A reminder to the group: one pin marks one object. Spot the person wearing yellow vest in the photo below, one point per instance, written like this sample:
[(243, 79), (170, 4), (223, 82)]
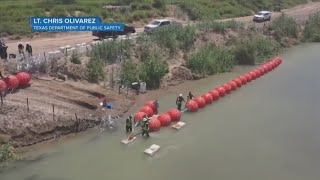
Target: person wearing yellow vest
[(145, 127), (129, 124)]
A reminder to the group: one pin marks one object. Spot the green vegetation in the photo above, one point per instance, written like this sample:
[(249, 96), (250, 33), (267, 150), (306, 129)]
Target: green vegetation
[(7, 153), (75, 58), (152, 70), (284, 27), (174, 37), (312, 29), (106, 53), (14, 14), (220, 27), (253, 48), (210, 60)]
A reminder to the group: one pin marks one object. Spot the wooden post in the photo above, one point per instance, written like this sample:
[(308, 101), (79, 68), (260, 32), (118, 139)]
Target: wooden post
[(53, 111), (28, 104), (1, 96), (45, 57)]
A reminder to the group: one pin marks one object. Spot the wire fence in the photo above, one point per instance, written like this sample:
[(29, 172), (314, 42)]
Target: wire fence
[(36, 61)]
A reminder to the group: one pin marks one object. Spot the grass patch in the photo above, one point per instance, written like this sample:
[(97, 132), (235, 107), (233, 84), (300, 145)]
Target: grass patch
[(7, 153), (174, 37), (311, 31), (210, 60), (283, 27), (220, 27), (254, 48)]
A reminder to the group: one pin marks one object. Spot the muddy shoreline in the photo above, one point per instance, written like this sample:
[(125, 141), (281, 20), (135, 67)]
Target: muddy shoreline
[(69, 128)]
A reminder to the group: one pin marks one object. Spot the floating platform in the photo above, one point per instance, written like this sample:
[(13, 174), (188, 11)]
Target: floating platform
[(127, 141), (179, 125), (152, 149)]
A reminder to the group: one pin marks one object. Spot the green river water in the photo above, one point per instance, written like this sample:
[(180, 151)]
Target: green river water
[(266, 130)]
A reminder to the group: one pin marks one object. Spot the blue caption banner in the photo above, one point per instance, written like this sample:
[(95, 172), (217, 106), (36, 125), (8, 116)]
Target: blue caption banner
[(64, 24)]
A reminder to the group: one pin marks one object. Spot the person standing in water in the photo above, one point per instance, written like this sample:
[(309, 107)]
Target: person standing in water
[(145, 127), (129, 124), (190, 96), (156, 105), (179, 101)]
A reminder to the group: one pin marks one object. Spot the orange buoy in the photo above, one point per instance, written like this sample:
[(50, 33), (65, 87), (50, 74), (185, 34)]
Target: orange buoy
[(11, 81), (24, 78), (243, 80), (154, 124), (215, 94), (221, 90), (233, 85), (150, 104), (192, 106), (227, 87), (174, 114), (238, 81), (258, 73), (138, 116), (261, 69), (208, 98), (147, 110), (248, 77), (265, 68), (164, 119), (200, 101), (253, 75), (3, 86)]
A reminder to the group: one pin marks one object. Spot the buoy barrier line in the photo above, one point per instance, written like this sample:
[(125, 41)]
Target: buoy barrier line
[(12, 82), (165, 118)]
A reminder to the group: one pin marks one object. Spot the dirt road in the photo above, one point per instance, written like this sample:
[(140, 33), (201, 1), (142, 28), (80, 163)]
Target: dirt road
[(40, 45)]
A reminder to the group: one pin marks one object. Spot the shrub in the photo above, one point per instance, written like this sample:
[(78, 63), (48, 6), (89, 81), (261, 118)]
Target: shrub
[(211, 59), (152, 70), (75, 58), (7, 153), (285, 26), (254, 47), (311, 31), (191, 8), (111, 51), (159, 4), (95, 68), (129, 73), (174, 37)]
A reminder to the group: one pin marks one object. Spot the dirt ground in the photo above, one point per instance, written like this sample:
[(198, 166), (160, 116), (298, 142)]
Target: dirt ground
[(23, 127), (70, 99)]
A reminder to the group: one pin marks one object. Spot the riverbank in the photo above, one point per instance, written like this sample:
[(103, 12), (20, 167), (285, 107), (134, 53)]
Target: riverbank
[(76, 102)]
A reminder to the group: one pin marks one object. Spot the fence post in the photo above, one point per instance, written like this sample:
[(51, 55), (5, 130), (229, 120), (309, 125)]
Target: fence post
[(77, 123), (53, 111), (1, 96), (45, 57), (28, 104)]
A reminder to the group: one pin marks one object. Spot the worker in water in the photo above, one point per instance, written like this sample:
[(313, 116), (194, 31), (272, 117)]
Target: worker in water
[(190, 96), (179, 101), (145, 127), (29, 49), (129, 124), (156, 105)]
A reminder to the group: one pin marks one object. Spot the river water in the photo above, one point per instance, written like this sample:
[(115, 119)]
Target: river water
[(267, 130)]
